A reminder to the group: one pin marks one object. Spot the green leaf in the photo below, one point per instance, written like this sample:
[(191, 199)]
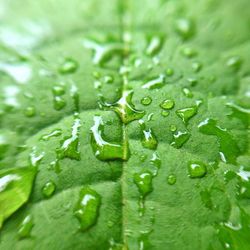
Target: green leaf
[(135, 115)]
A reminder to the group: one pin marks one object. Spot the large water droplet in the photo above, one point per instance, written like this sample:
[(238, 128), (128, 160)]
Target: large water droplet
[(171, 179), (70, 144), (124, 108), (180, 138), (187, 113), (148, 139), (143, 182), (104, 150), (15, 188), (228, 148), (87, 208)]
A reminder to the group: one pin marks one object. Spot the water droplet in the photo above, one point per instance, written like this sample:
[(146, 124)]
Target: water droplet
[(228, 148), (30, 111), (187, 113), (124, 108), (180, 138), (197, 169), (187, 92), (154, 45), (171, 179), (143, 241), (15, 188), (104, 52), (169, 71), (35, 158), (188, 52), (108, 79), (196, 66), (59, 103), (156, 161), (54, 133), (58, 90), (172, 128), (167, 104), (49, 189), (146, 100), (234, 63), (148, 139), (104, 150), (185, 28), (143, 182), (70, 144), (25, 227), (155, 83), (69, 66), (87, 208), (243, 184), (165, 113)]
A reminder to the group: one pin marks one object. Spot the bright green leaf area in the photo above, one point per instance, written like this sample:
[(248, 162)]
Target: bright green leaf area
[(89, 156)]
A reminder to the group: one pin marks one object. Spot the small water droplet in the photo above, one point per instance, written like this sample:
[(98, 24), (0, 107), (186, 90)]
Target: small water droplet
[(187, 92), (188, 52), (169, 71), (59, 103), (69, 66), (172, 128), (30, 111), (196, 66), (58, 90), (197, 169), (87, 208), (25, 227), (167, 104), (102, 149), (155, 44), (108, 79), (234, 63), (48, 189), (187, 113), (171, 179), (185, 28), (146, 100), (165, 113), (54, 133)]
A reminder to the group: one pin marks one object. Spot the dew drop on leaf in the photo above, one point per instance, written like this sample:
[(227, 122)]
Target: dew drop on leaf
[(228, 148), (148, 138), (124, 108), (48, 189), (165, 113), (185, 28), (87, 208), (15, 188), (155, 83), (155, 44), (25, 227), (197, 169), (167, 104), (179, 138), (186, 113), (30, 111), (102, 149), (69, 66), (54, 133), (171, 179), (146, 100)]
